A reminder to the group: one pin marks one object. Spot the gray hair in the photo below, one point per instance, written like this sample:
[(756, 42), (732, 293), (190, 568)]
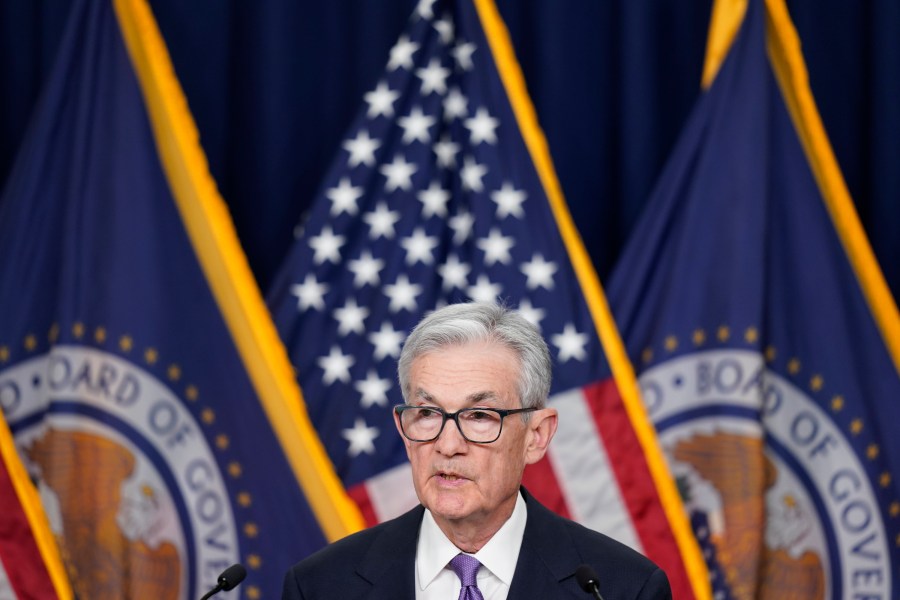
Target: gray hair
[(474, 322)]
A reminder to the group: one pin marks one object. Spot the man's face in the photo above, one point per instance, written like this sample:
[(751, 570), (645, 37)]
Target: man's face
[(463, 483)]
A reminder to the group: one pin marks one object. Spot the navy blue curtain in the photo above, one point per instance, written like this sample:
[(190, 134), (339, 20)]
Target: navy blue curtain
[(273, 86)]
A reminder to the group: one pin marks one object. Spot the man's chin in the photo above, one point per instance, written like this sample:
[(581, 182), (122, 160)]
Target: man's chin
[(451, 504)]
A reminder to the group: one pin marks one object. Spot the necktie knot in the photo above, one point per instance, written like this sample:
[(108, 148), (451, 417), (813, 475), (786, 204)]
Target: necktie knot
[(466, 568)]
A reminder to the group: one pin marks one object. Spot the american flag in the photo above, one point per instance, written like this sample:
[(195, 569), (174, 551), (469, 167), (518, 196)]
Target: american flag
[(435, 199)]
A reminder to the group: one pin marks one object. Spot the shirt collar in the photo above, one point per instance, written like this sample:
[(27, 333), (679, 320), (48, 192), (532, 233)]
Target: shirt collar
[(499, 555)]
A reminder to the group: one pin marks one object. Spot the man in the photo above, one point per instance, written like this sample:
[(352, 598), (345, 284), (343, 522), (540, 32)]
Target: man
[(475, 378)]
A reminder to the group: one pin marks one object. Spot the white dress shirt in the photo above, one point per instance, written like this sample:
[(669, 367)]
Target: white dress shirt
[(435, 580)]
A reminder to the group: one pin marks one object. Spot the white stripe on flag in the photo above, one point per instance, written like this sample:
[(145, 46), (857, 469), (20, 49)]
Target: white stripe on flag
[(391, 492), (585, 476)]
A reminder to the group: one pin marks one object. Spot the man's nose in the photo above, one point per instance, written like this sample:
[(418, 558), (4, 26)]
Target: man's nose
[(451, 440)]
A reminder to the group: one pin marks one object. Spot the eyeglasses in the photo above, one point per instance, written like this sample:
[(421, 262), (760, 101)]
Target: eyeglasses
[(477, 425)]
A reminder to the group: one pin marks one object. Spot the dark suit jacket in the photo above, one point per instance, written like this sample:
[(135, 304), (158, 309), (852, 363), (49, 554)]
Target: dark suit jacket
[(379, 563)]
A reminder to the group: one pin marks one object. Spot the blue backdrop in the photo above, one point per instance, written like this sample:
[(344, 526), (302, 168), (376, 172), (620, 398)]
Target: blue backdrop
[(273, 87)]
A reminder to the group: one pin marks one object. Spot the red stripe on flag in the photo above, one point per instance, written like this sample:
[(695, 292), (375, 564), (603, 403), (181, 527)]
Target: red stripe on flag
[(21, 557), (360, 495), (641, 498), (540, 479)]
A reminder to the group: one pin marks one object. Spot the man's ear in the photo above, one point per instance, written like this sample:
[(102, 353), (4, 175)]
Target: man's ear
[(541, 429)]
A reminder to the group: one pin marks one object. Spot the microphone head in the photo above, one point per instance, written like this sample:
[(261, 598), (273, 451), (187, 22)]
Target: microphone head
[(232, 576), (587, 578)]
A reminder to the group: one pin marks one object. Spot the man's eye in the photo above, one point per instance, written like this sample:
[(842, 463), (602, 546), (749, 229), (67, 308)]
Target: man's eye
[(480, 415), (429, 413)]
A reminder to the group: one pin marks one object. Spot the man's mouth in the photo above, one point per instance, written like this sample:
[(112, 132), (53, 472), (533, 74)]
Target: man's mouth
[(448, 476)]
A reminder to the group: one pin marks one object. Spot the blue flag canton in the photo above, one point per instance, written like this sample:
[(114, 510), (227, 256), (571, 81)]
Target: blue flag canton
[(432, 200)]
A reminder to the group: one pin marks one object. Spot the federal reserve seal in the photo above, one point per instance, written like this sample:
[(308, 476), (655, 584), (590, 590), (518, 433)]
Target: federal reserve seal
[(783, 505), (131, 486)]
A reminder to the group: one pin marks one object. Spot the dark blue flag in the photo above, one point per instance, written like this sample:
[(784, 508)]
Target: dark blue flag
[(147, 390), (766, 340), (443, 191)]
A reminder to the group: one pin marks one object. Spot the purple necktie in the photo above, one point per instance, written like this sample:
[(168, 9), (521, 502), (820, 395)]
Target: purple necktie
[(466, 567)]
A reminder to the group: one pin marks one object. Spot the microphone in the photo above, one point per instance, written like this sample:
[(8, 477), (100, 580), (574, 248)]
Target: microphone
[(228, 580), (588, 580)]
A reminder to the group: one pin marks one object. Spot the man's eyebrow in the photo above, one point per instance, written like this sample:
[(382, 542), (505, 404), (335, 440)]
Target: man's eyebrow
[(423, 395), (471, 399), (479, 397)]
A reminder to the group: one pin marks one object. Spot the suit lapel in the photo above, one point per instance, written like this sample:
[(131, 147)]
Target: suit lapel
[(390, 564), (547, 560)]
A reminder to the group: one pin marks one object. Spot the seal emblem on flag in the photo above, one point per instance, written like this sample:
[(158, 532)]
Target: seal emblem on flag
[(785, 503), (131, 486)]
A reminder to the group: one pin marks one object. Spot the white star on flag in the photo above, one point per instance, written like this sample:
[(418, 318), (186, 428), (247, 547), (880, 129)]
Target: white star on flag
[(373, 390), (445, 151), (456, 106), (496, 247), (425, 9), (454, 273), (481, 127), (362, 149), (461, 224), (419, 247), (415, 126), (463, 55), (381, 221), (361, 438), (532, 315), (570, 343), (387, 341), (366, 269), (336, 366), (434, 200), (539, 272), (399, 174), (402, 294), (401, 54), (343, 197), (471, 175), (310, 293), (327, 246), (350, 318), (509, 201), (484, 290), (381, 101), (434, 77), (444, 28)]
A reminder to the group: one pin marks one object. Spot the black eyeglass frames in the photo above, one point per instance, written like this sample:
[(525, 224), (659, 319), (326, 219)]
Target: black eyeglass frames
[(477, 425)]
